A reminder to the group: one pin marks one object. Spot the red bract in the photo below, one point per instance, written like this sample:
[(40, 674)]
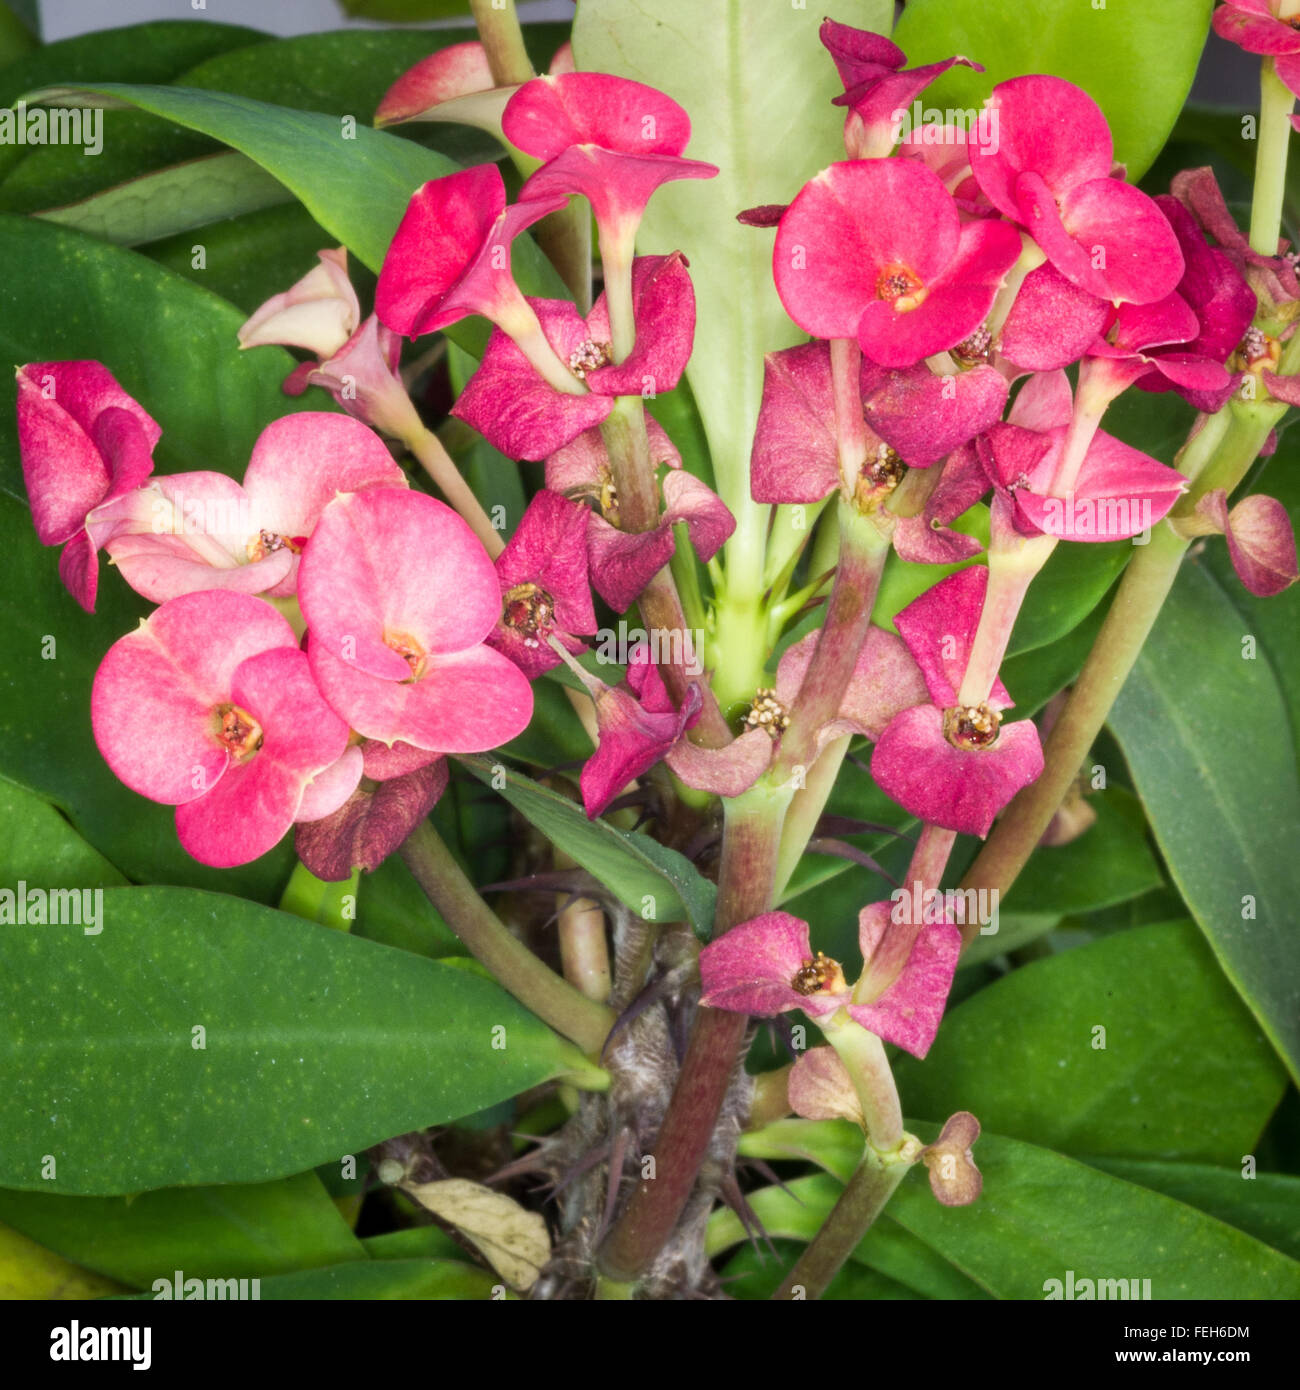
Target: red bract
[(1261, 541), (923, 416), (208, 532), (544, 589), (1051, 323), (526, 417), (1254, 25), (1119, 492), (927, 538), (612, 140), (210, 707), (86, 448), (1050, 170), (451, 72), (767, 966), (450, 256), (875, 250), (638, 726), (877, 90), (1158, 338), (951, 765), (399, 597)]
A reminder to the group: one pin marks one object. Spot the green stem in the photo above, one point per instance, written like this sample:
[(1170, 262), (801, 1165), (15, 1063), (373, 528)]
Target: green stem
[(441, 467), (317, 900), (490, 941), (503, 41), (1275, 107), (865, 1197), (751, 835)]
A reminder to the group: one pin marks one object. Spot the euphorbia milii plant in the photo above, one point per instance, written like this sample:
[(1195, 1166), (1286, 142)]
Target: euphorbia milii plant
[(699, 666)]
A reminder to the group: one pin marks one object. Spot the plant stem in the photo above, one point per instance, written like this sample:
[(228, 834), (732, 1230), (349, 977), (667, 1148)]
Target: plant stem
[(625, 437), (1270, 160), (864, 547), (440, 466), (490, 941), (865, 1197), (753, 828), (503, 41)]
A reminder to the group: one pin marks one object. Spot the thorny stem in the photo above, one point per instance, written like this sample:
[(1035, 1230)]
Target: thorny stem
[(865, 1197), (753, 827), (490, 941), (440, 466)]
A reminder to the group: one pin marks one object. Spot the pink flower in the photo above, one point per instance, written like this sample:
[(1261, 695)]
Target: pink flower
[(1050, 170), (544, 588), (525, 416), (86, 447), (927, 538), (876, 86), (319, 313), (876, 250), (1119, 492), (399, 597), (208, 532), (638, 726), (952, 765), (1261, 541), (450, 256), (210, 707), (612, 140), (767, 966), (923, 416), (1254, 25), (1052, 322)]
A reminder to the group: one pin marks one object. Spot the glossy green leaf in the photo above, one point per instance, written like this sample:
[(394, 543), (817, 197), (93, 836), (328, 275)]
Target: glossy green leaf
[(1190, 1078), (647, 877), (355, 181), (173, 200), (1207, 738), (405, 11), (208, 1232), (393, 909), (1264, 1205), (758, 95), (342, 73), (156, 52), (16, 39), (1042, 1214), (38, 845), (29, 1271), (1067, 589), (316, 1043), (756, 1273), (1135, 60)]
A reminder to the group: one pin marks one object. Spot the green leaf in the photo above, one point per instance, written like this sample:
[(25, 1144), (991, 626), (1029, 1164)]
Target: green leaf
[(1109, 863), (640, 872), (1264, 1205), (1069, 587), (1189, 1079), (1207, 739), (16, 39), (37, 844), (208, 1232), (758, 95), (356, 182), (1042, 1214), (248, 259), (344, 73), (316, 1043), (405, 11), (155, 52), (177, 199), (753, 1274), (393, 909), (1136, 61)]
